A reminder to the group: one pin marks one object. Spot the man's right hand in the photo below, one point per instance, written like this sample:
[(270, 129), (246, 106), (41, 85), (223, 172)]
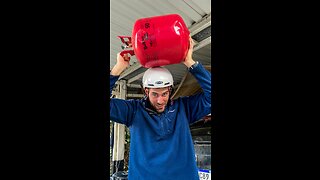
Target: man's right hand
[(122, 64)]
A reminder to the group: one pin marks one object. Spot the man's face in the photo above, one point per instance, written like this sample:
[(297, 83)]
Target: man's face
[(158, 98)]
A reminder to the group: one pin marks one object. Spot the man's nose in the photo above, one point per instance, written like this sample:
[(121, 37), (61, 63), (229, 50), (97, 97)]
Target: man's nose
[(160, 100)]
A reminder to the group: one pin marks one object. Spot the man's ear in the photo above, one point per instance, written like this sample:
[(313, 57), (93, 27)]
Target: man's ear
[(171, 90), (146, 91)]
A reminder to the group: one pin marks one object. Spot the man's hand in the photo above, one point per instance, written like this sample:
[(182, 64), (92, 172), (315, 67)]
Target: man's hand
[(188, 61), (122, 64)]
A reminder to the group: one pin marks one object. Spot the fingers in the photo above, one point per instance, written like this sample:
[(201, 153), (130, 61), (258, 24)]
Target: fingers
[(191, 42), (190, 39), (119, 57), (125, 57)]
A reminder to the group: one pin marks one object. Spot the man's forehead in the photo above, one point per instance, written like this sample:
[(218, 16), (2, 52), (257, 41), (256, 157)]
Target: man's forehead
[(159, 90)]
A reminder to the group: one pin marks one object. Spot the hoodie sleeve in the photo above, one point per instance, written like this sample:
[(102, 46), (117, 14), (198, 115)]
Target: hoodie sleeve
[(121, 111), (199, 105)]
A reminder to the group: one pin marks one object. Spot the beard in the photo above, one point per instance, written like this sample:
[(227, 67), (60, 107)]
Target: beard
[(160, 109)]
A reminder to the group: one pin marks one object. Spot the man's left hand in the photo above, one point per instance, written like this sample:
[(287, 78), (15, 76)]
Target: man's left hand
[(188, 61)]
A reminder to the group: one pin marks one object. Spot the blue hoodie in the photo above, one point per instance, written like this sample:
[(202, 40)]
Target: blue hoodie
[(161, 146)]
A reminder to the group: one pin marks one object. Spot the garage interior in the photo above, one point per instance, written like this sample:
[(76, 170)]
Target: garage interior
[(123, 14)]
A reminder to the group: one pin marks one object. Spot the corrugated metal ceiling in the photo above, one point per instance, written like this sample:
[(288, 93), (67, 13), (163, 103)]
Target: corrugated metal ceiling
[(124, 13)]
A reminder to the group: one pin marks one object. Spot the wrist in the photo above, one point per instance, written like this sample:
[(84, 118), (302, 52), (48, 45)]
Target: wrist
[(117, 70), (194, 65), (189, 63)]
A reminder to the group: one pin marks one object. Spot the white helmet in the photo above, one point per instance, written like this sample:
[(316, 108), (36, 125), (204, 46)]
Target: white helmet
[(157, 77)]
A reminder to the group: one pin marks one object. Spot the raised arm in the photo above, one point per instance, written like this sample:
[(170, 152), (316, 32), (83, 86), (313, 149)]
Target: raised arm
[(199, 105), (121, 111)]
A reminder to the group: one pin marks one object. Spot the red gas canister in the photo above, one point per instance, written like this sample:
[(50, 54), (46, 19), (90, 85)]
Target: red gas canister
[(159, 40)]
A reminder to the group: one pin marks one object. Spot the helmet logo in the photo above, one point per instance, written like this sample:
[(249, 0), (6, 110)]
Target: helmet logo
[(159, 82)]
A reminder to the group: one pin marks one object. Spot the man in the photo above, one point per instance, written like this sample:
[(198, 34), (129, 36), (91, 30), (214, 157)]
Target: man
[(161, 146)]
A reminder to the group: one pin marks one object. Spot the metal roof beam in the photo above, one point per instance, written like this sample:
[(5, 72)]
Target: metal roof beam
[(202, 44), (135, 78), (138, 86), (135, 95), (199, 26), (131, 69)]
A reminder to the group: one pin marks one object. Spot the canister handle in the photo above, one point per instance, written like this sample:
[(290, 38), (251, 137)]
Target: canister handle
[(127, 45), (131, 52)]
